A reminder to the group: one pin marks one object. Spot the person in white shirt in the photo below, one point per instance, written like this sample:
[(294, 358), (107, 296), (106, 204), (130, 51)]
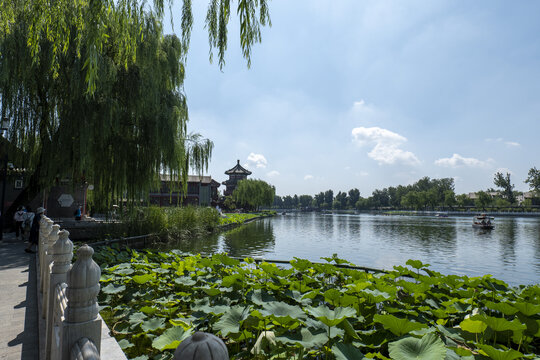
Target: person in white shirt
[(19, 219)]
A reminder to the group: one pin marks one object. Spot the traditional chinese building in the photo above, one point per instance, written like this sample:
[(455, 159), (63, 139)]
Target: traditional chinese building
[(236, 174), (201, 190)]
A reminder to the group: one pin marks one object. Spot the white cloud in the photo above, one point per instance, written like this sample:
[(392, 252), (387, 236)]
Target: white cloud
[(387, 145), (501, 140), (272, 173), (458, 161), (257, 160), (308, 177)]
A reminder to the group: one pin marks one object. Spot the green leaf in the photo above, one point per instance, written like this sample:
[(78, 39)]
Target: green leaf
[(305, 338), (137, 318), (280, 309), (429, 347), (260, 297), (149, 310), (527, 308), (143, 279), (346, 352), (125, 344), (185, 280), (417, 264), (502, 307), (497, 354), (501, 324), (152, 324), (396, 325), (231, 321), (331, 317), (112, 289), (171, 338), (473, 326)]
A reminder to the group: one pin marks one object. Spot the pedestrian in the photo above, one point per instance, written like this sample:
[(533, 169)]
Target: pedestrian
[(78, 213), (28, 219), (34, 231), (19, 219)]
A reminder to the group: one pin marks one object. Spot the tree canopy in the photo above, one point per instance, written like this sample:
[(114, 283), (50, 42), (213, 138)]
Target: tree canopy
[(533, 179), (93, 90), (506, 185), (252, 193)]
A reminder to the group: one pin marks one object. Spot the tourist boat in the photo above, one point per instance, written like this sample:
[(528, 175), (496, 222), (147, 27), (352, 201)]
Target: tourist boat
[(483, 222), (441, 215)]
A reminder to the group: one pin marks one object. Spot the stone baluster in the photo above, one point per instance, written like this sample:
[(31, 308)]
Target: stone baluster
[(61, 253), (44, 242), (201, 346), (51, 239), (81, 314), (84, 349)]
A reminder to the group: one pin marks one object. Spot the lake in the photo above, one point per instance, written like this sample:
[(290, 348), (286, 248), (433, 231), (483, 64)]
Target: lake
[(510, 252)]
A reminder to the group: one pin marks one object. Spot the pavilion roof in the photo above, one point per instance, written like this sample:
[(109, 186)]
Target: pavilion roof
[(238, 170)]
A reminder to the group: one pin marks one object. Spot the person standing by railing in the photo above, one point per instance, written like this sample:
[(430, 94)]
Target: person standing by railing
[(34, 230), (19, 219)]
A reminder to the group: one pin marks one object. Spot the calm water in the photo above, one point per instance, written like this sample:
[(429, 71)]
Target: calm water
[(510, 252)]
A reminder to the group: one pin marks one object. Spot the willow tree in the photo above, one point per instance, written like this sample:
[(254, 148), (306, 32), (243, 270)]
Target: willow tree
[(93, 90), (253, 193)]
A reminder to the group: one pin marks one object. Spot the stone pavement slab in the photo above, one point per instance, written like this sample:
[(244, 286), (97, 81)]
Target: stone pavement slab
[(19, 337)]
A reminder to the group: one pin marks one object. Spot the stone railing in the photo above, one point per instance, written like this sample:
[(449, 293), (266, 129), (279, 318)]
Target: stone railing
[(70, 309), (69, 306)]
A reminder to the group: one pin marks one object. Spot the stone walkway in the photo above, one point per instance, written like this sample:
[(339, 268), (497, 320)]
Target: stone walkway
[(18, 301)]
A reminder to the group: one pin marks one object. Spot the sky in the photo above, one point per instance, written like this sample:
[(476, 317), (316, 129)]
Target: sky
[(370, 94)]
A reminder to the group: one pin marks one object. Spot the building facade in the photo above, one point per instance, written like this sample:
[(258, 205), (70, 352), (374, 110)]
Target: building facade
[(201, 190), (236, 174)]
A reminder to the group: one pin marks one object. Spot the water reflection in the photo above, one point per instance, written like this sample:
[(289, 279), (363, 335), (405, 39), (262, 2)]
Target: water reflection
[(254, 239), (204, 245), (507, 240), (426, 235)]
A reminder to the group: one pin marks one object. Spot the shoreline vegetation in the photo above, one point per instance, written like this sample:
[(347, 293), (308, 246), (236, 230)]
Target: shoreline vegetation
[(153, 300)]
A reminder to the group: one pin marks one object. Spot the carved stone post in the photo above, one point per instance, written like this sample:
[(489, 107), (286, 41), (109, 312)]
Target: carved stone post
[(44, 242), (201, 346), (81, 314), (51, 239), (61, 253)]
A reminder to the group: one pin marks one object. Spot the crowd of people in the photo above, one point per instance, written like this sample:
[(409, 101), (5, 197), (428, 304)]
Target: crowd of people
[(26, 224)]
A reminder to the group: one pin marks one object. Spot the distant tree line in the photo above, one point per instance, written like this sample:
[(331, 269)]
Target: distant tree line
[(425, 194)]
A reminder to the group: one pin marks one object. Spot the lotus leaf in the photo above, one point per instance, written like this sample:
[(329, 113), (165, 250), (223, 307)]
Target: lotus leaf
[(125, 344), (497, 354), (143, 279), (171, 338), (185, 280), (396, 325), (149, 310), (346, 352), (305, 338), (527, 308), (113, 289), (331, 317), (502, 307), (417, 264), (473, 326), (152, 324), (280, 309), (429, 347), (260, 297), (501, 324), (137, 318), (232, 320)]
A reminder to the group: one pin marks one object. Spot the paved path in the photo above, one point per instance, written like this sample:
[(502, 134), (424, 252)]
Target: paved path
[(18, 301)]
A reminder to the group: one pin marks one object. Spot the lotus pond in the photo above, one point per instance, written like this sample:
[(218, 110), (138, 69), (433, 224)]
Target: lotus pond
[(153, 300)]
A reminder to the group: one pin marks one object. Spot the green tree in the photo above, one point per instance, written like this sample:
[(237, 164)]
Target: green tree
[(483, 199), (93, 90), (463, 200), (253, 193), (305, 201), (328, 199), (449, 198), (533, 179), (506, 185), (354, 196)]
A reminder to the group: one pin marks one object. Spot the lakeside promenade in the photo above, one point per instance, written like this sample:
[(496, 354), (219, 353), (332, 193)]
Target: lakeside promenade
[(19, 337)]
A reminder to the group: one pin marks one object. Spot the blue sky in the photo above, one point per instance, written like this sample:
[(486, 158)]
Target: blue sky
[(370, 94)]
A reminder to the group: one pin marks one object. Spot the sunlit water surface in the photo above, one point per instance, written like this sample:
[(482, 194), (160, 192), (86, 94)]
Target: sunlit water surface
[(510, 252)]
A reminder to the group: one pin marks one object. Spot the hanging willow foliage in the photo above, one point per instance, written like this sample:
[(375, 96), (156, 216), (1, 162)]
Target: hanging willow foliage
[(83, 24), (133, 127), (93, 90)]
